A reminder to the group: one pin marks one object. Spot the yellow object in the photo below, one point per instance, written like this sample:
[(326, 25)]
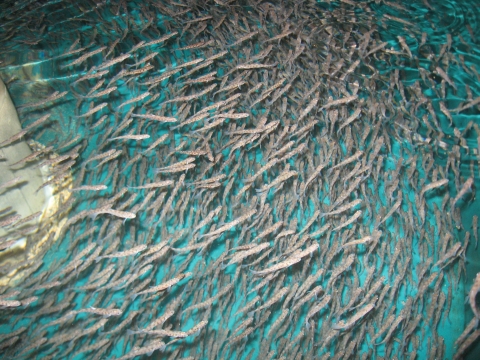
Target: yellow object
[(23, 198)]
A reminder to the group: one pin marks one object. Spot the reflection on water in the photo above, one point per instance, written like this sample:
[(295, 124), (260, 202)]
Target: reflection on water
[(250, 179)]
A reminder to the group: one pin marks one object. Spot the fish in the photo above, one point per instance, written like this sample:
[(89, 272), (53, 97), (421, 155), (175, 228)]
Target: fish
[(55, 96), (12, 182), (165, 119), (131, 137), (192, 97), (345, 325), (133, 251), (344, 100), (316, 308), (161, 320), (282, 265), (149, 349), (404, 45), (466, 188), (238, 257), (230, 225), (243, 38), (92, 111), (117, 213), (166, 285), (98, 311), (343, 208), (90, 188), (135, 99), (112, 62), (445, 77), (153, 185), (433, 185)]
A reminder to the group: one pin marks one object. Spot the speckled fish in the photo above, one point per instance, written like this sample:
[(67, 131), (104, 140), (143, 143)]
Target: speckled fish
[(275, 298), (155, 117), (445, 77), (232, 224), (343, 208), (154, 185), (93, 111), (238, 257), (316, 308), (113, 61), (133, 251), (55, 96), (131, 137), (166, 285), (149, 349), (138, 98), (472, 296), (12, 182), (466, 187), (102, 312), (282, 265), (345, 325), (90, 188), (344, 100), (192, 97), (433, 185), (117, 213)]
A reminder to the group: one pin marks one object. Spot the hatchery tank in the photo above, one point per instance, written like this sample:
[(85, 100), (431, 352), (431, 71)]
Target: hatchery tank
[(230, 179)]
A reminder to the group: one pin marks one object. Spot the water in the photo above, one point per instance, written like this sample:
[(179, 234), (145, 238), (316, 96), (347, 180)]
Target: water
[(399, 142)]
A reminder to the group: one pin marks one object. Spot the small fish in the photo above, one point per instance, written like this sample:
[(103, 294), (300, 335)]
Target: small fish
[(84, 57), (131, 137), (238, 257), (316, 308), (344, 208), (254, 66), (433, 185), (445, 77), (117, 213), (166, 285), (55, 96), (243, 38), (404, 45), (345, 325), (230, 225), (16, 180), (445, 111), (466, 187), (92, 111), (10, 303), (154, 185), (90, 188), (113, 62), (138, 98), (344, 100), (130, 252), (282, 265), (161, 320), (103, 312)]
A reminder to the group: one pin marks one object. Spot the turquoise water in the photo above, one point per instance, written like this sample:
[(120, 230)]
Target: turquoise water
[(398, 143)]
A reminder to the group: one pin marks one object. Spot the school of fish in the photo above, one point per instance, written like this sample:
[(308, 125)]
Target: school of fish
[(251, 180)]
